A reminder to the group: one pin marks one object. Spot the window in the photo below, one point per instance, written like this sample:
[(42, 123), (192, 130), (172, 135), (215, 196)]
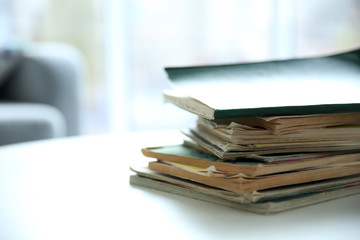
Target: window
[(127, 44)]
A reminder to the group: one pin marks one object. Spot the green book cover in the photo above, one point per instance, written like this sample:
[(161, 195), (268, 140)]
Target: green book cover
[(317, 85)]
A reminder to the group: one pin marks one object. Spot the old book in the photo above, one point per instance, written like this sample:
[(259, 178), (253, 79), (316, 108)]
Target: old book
[(340, 137), (279, 125), (318, 85), (244, 134), (255, 196), (265, 202), (201, 143), (187, 155), (240, 183)]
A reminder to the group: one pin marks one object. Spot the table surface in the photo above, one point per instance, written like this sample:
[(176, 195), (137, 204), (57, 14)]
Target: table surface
[(78, 188)]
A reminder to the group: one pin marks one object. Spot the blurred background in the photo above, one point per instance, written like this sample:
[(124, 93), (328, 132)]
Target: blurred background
[(125, 44)]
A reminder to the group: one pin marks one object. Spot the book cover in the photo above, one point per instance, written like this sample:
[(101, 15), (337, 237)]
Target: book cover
[(261, 202), (318, 85), (240, 183), (187, 155)]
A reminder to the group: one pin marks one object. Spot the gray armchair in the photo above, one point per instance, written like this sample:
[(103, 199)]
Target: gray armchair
[(40, 93)]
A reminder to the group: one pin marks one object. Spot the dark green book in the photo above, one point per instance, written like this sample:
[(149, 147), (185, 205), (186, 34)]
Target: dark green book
[(317, 85)]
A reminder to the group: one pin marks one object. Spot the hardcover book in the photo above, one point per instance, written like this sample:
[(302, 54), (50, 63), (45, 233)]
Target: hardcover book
[(318, 85)]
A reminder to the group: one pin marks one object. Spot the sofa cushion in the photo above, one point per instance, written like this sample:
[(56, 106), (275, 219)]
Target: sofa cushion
[(20, 122), (9, 60)]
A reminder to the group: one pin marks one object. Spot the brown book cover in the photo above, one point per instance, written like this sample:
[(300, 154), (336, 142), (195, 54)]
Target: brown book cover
[(190, 156), (262, 202), (239, 183)]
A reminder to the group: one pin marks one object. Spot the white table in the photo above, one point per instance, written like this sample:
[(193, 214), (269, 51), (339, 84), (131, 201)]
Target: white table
[(78, 188)]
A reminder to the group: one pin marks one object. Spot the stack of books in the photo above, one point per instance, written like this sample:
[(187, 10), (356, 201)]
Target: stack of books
[(270, 136)]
